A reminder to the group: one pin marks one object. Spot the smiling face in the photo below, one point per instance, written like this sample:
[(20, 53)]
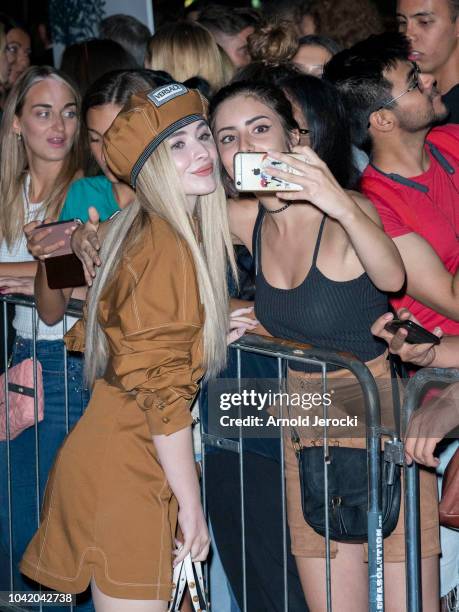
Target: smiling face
[(431, 30), (98, 120), (48, 120), (17, 51), (195, 156), (253, 127)]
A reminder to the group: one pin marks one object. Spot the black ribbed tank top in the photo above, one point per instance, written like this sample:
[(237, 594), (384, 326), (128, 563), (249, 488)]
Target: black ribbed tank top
[(324, 313)]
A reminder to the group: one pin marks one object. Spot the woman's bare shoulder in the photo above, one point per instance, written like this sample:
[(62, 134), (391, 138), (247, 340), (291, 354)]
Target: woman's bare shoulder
[(242, 214)]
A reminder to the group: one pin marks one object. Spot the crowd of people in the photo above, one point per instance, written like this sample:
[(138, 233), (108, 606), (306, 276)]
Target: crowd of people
[(133, 140)]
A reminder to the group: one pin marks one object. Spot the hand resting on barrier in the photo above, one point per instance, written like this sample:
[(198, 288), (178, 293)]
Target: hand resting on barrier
[(429, 425), (248, 306), (17, 284), (435, 419), (239, 323)]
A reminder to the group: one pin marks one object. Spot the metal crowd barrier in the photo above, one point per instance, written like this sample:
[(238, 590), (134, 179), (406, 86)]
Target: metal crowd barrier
[(413, 397), (283, 352), (75, 310)]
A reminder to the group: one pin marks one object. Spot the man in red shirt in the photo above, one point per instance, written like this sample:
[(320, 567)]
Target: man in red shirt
[(413, 180), (413, 177)]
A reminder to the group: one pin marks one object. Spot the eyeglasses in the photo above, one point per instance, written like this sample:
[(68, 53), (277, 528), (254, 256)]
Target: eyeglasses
[(416, 84)]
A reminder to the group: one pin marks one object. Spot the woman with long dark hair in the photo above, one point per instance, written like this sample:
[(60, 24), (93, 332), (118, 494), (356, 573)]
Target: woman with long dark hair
[(324, 268)]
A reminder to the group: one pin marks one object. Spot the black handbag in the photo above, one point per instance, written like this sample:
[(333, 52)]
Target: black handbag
[(347, 487), (347, 493)]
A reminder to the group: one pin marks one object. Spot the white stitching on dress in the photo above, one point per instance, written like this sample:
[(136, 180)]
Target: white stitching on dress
[(182, 255), (74, 578), (48, 516), (162, 533), (134, 300)]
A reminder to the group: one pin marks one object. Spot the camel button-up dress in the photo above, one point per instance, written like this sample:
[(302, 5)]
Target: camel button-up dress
[(108, 508)]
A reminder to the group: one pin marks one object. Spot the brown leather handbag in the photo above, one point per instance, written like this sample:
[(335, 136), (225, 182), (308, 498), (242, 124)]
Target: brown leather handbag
[(449, 505)]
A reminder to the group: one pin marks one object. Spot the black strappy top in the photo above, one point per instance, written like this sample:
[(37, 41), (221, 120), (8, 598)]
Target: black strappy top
[(322, 312)]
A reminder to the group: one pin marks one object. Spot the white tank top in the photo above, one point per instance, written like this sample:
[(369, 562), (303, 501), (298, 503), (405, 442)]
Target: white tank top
[(22, 322)]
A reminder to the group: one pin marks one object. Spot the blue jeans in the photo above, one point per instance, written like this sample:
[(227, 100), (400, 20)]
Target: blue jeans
[(26, 473)]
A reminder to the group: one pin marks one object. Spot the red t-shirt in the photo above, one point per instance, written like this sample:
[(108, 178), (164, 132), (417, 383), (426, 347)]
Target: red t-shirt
[(433, 215)]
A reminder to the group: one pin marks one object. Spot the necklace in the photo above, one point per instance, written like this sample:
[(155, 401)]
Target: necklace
[(32, 209), (278, 210), (25, 189)]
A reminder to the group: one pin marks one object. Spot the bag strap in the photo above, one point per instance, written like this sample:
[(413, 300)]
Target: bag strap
[(397, 370), (294, 436), (256, 238), (188, 572)]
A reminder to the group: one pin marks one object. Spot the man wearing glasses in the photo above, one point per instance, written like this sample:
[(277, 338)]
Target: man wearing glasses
[(413, 176), (432, 27), (413, 181)]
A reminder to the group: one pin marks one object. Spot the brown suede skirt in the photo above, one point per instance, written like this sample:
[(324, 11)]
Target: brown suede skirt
[(348, 401)]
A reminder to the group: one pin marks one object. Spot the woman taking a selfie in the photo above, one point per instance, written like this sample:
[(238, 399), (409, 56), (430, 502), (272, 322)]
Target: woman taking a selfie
[(156, 323), (324, 266), (40, 156)]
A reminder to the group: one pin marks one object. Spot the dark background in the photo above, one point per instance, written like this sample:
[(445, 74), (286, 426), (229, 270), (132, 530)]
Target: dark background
[(35, 11)]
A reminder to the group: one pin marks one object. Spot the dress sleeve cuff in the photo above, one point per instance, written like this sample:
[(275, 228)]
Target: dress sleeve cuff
[(165, 418), (74, 338)]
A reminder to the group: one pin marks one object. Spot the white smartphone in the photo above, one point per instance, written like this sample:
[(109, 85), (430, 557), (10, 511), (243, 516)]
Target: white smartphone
[(251, 173)]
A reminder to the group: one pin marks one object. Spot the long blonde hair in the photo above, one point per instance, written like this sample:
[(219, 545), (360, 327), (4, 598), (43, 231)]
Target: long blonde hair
[(185, 50), (159, 191), (13, 158)]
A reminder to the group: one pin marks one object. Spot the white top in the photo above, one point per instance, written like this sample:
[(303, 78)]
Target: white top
[(22, 322)]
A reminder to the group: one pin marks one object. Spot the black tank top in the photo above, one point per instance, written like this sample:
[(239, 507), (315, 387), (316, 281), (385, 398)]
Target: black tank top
[(327, 314)]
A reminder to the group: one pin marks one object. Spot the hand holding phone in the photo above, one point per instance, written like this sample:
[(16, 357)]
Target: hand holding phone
[(63, 268), (51, 238), (252, 173), (416, 333)]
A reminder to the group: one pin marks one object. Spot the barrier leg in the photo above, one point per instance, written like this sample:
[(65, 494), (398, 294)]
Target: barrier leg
[(375, 534), (412, 540)]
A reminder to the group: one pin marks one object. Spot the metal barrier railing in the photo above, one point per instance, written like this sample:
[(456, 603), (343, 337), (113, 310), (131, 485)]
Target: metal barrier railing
[(413, 397), (75, 310), (283, 352)]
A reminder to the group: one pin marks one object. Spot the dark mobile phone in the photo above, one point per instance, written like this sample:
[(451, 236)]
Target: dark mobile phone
[(416, 333), (63, 268)]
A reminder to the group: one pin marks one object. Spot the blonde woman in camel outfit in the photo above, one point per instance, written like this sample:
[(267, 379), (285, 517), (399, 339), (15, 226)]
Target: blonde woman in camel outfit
[(156, 323)]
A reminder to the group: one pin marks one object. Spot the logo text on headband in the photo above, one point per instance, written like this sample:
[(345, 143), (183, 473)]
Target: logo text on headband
[(164, 94)]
